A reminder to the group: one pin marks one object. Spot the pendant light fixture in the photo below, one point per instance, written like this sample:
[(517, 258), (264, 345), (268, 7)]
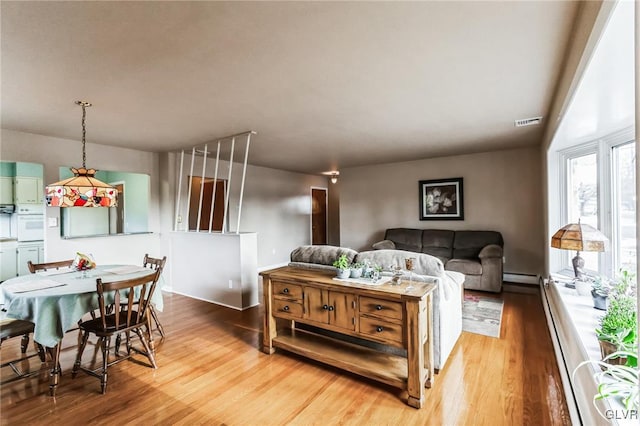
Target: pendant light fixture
[(83, 189)]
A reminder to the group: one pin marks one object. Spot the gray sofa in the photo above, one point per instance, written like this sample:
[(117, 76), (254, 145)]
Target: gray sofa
[(476, 254)]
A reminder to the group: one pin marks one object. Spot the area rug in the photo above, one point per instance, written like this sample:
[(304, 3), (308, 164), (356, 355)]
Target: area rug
[(482, 315)]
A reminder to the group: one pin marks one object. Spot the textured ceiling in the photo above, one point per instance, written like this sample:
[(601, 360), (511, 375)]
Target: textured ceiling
[(326, 85)]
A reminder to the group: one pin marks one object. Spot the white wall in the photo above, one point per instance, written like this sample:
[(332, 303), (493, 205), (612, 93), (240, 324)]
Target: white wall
[(502, 192)]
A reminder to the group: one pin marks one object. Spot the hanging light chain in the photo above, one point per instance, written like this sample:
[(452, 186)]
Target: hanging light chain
[(84, 105)]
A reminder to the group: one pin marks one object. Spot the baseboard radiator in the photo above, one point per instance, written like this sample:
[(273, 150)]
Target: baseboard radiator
[(513, 277)]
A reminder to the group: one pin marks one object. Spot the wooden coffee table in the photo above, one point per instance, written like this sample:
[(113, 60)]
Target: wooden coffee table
[(346, 318)]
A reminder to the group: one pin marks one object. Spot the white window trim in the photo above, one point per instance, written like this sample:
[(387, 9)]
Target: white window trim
[(603, 148)]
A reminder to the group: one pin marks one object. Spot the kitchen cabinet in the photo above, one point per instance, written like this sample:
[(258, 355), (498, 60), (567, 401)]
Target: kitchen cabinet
[(7, 260), (6, 190), (29, 252), (28, 190)]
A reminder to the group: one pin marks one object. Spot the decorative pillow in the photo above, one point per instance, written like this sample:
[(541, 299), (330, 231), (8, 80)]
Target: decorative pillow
[(384, 245), (323, 255)]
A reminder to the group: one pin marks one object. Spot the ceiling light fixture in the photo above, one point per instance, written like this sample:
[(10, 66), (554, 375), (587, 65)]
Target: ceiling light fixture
[(83, 189)]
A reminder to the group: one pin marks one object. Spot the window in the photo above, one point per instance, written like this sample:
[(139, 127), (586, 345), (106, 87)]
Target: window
[(624, 206), (598, 180), (582, 198)]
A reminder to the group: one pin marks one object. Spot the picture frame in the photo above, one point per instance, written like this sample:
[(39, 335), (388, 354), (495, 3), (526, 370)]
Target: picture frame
[(441, 199)]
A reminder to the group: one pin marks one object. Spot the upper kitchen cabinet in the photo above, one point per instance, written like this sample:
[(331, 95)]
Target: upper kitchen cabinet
[(28, 187), (7, 173), (6, 190), (28, 190)]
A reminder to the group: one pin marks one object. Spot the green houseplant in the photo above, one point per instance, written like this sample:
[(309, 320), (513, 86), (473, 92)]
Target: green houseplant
[(616, 382), (600, 292), (356, 269), (617, 328), (342, 266)]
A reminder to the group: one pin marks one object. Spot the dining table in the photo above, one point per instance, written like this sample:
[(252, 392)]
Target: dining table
[(56, 300)]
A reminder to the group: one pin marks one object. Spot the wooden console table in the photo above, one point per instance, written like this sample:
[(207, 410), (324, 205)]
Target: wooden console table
[(353, 314)]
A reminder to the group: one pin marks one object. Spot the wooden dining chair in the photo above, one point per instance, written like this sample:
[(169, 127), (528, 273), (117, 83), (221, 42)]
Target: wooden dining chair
[(10, 328), (123, 308), (35, 267), (156, 265)]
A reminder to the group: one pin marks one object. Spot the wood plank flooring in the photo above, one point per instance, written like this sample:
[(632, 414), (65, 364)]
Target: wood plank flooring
[(211, 371)]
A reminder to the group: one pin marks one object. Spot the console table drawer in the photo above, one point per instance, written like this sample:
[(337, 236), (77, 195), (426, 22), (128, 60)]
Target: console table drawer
[(381, 329), (379, 307), (287, 308), (290, 291)]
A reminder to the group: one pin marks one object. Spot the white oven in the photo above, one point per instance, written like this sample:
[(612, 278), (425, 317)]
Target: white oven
[(30, 227)]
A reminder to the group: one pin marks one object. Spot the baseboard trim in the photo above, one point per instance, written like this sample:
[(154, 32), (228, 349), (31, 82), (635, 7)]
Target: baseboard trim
[(520, 288), (513, 277)]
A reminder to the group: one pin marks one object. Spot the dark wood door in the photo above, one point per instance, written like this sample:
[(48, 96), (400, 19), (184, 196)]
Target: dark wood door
[(207, 201), (318, 216)]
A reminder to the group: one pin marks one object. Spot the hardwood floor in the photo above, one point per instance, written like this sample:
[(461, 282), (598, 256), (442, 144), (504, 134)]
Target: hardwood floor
[(211, 371)]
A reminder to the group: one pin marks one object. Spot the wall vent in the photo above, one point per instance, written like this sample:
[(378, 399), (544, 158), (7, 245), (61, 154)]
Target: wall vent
[(528, 121)]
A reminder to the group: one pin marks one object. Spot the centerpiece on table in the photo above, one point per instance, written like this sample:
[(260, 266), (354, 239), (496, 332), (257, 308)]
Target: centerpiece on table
[(83, 262)]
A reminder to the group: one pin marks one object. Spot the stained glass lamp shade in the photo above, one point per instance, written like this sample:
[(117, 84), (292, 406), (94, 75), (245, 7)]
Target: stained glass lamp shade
[(579, 237), (83, 189)]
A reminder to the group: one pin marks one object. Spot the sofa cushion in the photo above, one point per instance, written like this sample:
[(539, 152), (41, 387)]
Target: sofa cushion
[(405, 238), (313, 266), (424, 264), (438, 242), (322, 255), (465, 266), (467, 244), (384, 245)]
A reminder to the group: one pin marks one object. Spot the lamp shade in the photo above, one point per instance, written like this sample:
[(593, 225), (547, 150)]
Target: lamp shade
[(579, 237), (81, 190)]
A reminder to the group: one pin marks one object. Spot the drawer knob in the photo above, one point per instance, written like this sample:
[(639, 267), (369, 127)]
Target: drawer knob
[(325, 307), (285, 291), (379, 329), (379, 307), (286, 308), (331, 308)]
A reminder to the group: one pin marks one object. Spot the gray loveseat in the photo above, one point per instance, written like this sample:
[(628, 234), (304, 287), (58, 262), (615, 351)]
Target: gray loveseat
[(476, 254)]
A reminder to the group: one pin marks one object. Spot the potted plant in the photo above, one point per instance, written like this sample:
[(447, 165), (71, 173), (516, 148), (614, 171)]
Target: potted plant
[(600, 292), (617, 328), (625, 283), (617, 381), (342, 265), (356, 269)]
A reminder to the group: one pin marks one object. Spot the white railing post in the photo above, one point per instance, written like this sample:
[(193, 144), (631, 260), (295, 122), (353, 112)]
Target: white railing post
[(244, 174)]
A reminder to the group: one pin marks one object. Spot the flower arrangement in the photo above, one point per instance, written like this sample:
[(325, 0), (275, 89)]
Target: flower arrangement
[(83, 262)]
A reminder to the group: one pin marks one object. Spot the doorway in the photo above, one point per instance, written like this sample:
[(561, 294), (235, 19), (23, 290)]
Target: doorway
[(116, 214), (207, 201), (318, 216)]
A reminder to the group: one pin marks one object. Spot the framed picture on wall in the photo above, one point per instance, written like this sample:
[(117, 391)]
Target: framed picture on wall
[(441, 199)]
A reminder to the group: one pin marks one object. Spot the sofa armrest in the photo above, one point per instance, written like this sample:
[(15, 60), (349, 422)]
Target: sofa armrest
[(492, 250), (384, 245)]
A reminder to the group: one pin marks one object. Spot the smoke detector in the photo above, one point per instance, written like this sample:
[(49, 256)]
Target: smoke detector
[(528, 121)]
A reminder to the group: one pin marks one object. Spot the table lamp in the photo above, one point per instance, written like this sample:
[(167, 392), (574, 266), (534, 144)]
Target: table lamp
[(579, 237)]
